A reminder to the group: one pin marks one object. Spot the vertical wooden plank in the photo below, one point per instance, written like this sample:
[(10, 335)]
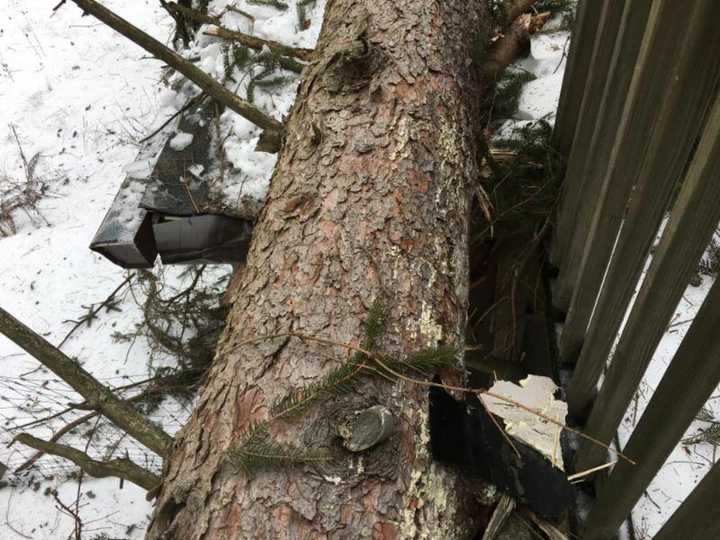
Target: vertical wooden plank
[(688, 92), (575, 182), (674, 404), (605, 186), (697, 518), (573, 89), (692, 223), (578, 64)]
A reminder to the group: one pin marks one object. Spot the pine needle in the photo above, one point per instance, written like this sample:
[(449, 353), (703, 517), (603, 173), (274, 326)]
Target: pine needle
[(259, 451)]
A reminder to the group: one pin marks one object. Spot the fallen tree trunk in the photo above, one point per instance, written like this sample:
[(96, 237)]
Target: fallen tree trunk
[(367, 213)]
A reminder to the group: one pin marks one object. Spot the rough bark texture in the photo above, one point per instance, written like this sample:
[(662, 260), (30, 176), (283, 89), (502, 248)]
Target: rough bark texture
[(370, 199)]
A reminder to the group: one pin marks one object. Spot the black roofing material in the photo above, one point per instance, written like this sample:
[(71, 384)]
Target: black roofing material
[(163, 214), (462, 434)]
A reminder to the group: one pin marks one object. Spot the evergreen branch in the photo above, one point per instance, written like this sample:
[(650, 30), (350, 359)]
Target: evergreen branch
[(338, 381), (374, 325), (259, 451)]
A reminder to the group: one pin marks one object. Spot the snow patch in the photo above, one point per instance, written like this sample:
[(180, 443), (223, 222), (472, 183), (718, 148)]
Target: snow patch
[(181, 141)]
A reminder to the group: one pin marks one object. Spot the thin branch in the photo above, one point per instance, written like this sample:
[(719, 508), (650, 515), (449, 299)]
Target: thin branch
[(258, 43), (121, 468), (588, 472), (119, 412), (192, 101), (273, 129), (94, 311), (400, 376), (67, 428)]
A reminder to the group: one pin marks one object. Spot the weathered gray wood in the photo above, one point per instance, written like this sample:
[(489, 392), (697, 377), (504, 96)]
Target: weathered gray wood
[(578, 64), (596, 79), (697, 518), (689, 87), (692, 224), (603, 163), (691, 378), (583, 50)]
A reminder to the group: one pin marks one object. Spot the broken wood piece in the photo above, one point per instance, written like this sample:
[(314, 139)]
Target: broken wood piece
[(537, 393)]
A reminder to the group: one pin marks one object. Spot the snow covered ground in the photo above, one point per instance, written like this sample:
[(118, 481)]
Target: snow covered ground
[(79, 98), (76, 100), (690, 460)]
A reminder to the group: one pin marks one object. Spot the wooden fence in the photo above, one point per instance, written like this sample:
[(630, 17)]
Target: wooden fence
[(639, 122)]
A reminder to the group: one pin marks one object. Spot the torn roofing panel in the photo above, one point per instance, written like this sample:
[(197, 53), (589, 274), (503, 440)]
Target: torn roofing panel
[(164, 205)]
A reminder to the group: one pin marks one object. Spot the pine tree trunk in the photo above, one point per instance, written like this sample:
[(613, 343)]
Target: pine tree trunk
[(369, 201)]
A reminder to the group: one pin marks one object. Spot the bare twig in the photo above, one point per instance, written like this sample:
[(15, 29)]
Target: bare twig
[(92, 312), (121, 468), (192, 101), (258, 43)]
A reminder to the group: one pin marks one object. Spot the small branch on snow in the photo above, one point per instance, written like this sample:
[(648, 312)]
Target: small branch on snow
[(93, 311), (121, 467), (117, 411), (258, 43), (273, 129)]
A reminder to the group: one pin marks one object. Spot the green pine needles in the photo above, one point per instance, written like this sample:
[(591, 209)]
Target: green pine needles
[(258, 450)]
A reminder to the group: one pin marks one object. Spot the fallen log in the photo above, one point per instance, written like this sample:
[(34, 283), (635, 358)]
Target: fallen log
[(368, 206)]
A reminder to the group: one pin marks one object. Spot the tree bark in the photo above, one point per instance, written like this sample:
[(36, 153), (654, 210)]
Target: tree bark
[(369, 202)]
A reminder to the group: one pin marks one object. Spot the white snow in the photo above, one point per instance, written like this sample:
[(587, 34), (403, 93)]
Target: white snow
[(539, 97), (181, 141)]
